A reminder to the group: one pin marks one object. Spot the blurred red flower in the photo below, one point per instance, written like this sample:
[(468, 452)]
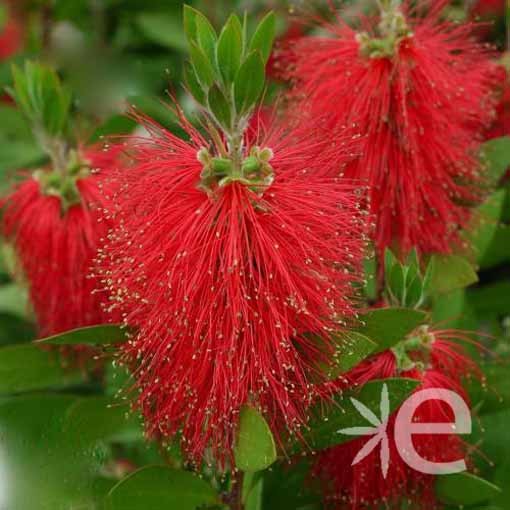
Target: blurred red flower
[(55, 242), (419, 89)]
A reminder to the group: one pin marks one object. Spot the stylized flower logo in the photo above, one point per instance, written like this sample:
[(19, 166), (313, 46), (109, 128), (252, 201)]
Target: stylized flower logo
[(379, 430)]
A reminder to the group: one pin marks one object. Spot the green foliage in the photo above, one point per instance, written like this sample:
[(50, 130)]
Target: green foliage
[(465, 489), (450, 273), (160, 487), (25, 368), (388, 326), (105, 334), (351, 349), (324, 426), (227, 71), (41, 96), (255, 449), (406, 284), (496, 156)]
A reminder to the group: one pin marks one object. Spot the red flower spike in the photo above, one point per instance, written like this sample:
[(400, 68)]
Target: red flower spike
[(10, 39), (56, 247), (422, 99), (442, 364), (227, 286), (501, 125)]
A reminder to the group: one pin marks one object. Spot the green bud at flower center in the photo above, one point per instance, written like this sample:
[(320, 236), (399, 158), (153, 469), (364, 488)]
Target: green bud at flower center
[(254, 171)]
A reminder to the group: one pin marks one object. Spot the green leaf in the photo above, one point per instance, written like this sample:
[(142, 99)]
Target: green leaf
[(451, 272), (388, 326), (488, 219), (106, 334), (229, 49), (255, 448), (324, 425), (161, 487), (26, 368), (465, 489), (93, 419), (494, 393), (41, 96), (193, 85), (199, 31), (263, 37), (202, 66), (115, 125), (41, 467), (253, 489), (189, 21), (14, 300), (19, 149), (206, 38), (162, 28), (351, 349), (3, 17), (219, 106), (289, 486), (249, 82), (491, 298), (496, 154)]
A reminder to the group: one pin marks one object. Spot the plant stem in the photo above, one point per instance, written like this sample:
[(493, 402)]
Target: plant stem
[(236, 494)]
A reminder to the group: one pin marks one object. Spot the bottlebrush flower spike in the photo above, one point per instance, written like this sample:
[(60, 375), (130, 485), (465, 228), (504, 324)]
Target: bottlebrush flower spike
[(55, 226), (228, 278), (438, 361), (10, 38), (419, 89)]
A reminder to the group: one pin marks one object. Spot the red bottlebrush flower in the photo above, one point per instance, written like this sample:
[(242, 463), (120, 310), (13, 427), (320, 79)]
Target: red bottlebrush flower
[(294, 31), (501, 125), (10, 39), (421, 95), (441, 364), (488, 9), (56, 242), (227, 287)]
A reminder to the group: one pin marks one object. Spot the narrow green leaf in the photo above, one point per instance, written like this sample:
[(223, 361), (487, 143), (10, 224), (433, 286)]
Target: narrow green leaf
[(189, 20), (93, 419), (220, 106), (26, 368), (324, 425), (41, 96), (496, 154), (106, 334), (249, 82), (255, 449), (253, 488), (115, 125), (465, 489), (451, 272), (263, 37), (206, 37), (193, 85), (202, 65), (229, 49), (3, 17), (488, 219), (161, 487), (351, 349), (14, 300), (388, 326), (162, 28), (42, 468)]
